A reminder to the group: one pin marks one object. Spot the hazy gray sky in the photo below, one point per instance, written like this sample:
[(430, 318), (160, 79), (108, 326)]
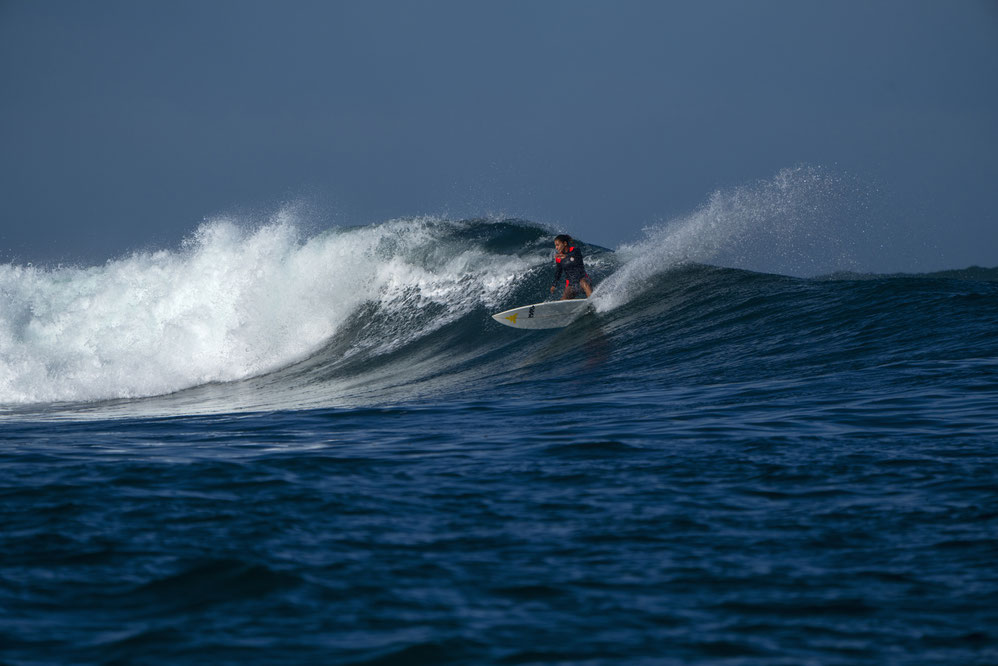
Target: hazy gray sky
[(124, 124)]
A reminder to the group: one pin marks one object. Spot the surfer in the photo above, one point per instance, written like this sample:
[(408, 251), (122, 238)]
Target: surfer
[(569, 260)]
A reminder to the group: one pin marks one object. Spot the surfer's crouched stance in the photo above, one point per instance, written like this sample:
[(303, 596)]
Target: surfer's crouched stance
[(569, 261)]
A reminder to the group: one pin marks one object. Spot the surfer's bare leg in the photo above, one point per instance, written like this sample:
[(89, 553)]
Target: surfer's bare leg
[(569, 293), (586, 287)]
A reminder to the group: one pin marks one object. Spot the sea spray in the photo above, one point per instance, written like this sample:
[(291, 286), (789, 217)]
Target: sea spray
[(805, 221)]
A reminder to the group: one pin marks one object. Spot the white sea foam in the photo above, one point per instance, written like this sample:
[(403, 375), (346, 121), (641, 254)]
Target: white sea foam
[(236, 300)]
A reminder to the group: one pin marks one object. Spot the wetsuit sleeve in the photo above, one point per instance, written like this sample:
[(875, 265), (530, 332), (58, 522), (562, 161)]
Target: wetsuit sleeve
[(557, 272)]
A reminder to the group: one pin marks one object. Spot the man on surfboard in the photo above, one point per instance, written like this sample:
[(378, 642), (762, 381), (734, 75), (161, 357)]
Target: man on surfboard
[(569, 261)]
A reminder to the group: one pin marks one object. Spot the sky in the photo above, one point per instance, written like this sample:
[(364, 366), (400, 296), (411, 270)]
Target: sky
[(124, 125)]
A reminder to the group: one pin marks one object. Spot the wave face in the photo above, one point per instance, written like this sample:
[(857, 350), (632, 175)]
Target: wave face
[(267, 319)]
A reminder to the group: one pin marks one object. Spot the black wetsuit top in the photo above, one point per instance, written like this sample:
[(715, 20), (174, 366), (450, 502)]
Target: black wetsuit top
[(572, 266)]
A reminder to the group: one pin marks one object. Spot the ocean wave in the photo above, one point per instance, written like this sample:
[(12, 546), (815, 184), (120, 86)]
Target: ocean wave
[(257, 315)]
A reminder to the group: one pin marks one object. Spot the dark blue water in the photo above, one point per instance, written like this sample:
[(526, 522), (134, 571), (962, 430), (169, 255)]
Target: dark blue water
[(719, 466)]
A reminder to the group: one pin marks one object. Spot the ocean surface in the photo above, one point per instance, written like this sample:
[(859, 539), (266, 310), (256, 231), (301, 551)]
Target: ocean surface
[(272, 446)]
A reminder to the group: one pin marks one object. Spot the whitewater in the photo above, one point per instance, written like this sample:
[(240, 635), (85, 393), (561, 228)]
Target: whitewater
[(232, 303)]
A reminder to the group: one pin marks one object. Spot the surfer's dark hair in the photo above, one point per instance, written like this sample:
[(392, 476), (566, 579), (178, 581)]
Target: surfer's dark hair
[(564, 238)]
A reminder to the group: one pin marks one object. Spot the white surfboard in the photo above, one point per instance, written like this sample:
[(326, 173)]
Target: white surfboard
[(551, 314)]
